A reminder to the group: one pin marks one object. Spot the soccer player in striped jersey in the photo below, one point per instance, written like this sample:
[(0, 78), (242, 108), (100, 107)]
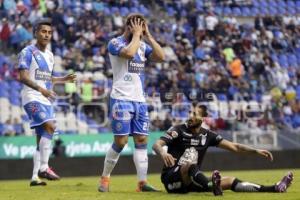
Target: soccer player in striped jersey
[(128, 54), (35, 65)]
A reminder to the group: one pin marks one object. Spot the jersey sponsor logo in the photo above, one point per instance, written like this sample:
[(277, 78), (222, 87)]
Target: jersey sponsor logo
[(119, 126), (187, 134), (195, 142), (175, 185), (42, 115), (136, 67), (127, 77), (42, 75), (174, 134), (190, 155), (34, 107)]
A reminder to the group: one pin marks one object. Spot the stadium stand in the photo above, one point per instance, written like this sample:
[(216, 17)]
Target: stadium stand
[(232, 55)]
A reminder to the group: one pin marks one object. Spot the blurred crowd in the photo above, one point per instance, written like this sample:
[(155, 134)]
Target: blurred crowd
[(250, 59)]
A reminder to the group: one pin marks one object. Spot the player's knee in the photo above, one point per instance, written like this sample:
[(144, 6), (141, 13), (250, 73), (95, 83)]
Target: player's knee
[(140, 139), (197, 177), (184, 169), (120, 142), (49, 127)]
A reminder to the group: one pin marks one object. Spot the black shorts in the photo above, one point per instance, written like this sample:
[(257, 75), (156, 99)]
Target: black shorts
[(171, 178)]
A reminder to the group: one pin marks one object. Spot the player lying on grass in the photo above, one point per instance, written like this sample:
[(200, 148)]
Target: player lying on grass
[(187, 144)]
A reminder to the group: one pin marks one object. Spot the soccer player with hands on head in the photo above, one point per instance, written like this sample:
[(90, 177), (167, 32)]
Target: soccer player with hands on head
[(128, 54)]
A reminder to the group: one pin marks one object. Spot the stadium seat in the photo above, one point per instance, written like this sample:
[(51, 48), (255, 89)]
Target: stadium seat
[(16, 112), (171, 12), (115, 10), (107, 10), (246, 12), (87, 75), (14, 100), (15, 85), (4, 115), (236, 11), (144, 10), (4, 85), (134, 10), (217, 10), (27, 130), (99, 76), (227, 11), (82, 127), (79, 76), (298, 92), (2, 128), (4, 93), (222, 97), (124, 11)]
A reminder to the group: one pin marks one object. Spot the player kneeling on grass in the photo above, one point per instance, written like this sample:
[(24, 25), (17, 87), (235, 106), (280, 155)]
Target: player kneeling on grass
[(187, 144)]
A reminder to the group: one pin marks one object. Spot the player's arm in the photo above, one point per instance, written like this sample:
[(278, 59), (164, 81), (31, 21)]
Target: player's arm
[(25, 79), (241, 148), (130, 50), (68, 78), (157, 54), (168, 159)]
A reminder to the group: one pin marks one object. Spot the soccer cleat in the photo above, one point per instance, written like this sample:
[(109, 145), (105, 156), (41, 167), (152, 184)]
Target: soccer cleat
[(49, 174), (144, 187), (285, 182), (37, 182), (216, 181), (104, 184)]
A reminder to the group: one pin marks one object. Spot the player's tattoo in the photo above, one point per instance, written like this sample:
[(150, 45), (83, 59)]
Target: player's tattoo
[(245, 148), (30, 83)]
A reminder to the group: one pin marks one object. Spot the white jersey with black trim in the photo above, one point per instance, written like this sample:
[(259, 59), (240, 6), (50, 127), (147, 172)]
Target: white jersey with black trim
[(128, 74), (41, 75)]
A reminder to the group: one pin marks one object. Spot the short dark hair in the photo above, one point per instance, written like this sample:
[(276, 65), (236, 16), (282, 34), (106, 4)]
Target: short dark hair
[(43, 21), (132, 16), (202, 107)]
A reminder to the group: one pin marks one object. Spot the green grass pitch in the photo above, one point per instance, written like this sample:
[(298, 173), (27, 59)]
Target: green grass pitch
[(123, 188)]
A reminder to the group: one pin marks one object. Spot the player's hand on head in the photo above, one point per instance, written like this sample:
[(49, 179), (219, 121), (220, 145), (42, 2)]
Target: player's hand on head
[(266, 154), (136, 25), (146, 30), (168, 159)]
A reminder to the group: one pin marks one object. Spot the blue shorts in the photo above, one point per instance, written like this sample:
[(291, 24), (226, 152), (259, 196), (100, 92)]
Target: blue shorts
[(129, 117), (39, 113)]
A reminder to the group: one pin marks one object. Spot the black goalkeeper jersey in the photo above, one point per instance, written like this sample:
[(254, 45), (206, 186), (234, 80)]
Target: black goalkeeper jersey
[(186, 147)]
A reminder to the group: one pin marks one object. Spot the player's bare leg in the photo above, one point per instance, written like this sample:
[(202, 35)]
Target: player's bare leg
[(140, 157), (46, 132), (111, 159)]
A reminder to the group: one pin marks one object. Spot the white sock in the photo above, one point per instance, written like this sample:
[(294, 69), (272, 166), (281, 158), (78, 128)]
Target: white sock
[(140, 158), (36, 164), (110, 161), (46, 150)]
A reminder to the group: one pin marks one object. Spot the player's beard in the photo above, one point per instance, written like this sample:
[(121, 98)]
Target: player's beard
[(194, 123)]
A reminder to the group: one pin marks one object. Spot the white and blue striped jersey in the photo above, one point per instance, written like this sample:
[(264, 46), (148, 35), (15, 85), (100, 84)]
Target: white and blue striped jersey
[(128, 74), (41, 74)]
